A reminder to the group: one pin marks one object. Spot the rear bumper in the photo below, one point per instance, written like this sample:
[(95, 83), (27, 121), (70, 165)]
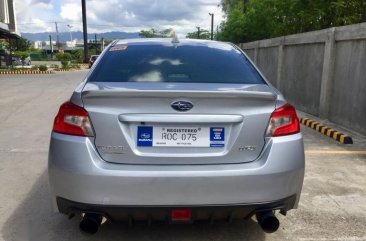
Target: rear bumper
[(162, 213), (77, 173)]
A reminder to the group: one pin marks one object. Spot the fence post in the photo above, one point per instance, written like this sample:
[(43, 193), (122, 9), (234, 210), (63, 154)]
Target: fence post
[(256, 48), (327, 75), (280, 64)]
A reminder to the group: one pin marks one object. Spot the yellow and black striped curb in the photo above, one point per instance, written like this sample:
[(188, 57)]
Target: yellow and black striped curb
[(66, 70), (25, 72), (63, 70), (342, 138)]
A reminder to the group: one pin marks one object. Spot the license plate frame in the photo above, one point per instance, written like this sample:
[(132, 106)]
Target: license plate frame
[(180, 136)]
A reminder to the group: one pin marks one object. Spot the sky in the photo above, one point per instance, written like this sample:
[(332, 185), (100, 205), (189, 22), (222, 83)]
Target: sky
[(117, 15)]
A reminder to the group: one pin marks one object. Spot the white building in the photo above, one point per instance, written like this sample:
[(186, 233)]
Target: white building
[(38, 45), (47, 43), (70, 44), (8, 27)]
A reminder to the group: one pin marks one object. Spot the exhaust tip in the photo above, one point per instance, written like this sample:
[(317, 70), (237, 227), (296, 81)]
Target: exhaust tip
[(268, 221), (91, 223)]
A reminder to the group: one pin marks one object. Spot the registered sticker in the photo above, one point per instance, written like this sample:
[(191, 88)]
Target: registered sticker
[(118, 48), (217, 137)]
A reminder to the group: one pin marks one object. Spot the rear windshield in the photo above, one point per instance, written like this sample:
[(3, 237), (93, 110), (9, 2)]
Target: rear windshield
[(180, 63)]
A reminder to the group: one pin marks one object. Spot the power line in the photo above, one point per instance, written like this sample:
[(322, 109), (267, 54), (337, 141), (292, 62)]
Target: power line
[(94, 25), (51, 22)]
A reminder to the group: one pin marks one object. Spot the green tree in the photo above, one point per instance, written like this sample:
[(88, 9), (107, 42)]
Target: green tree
[(65, 59), (3, 44), (204, 34), (233, 29), (248, 20), (166, 33), (77, 55), (154, 33), (151, 33), (22, 55), (20, 44)]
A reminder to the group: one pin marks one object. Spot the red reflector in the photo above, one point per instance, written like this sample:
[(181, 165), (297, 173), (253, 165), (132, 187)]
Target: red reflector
[(181, 215)]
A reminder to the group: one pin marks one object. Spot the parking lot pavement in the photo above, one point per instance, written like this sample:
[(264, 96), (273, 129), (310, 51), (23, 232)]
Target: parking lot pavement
[(332, 206)]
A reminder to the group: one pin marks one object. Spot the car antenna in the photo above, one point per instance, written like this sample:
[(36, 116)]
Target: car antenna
[(175, 39)]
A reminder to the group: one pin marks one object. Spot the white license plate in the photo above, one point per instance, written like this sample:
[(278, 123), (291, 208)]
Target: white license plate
[(160, 136)]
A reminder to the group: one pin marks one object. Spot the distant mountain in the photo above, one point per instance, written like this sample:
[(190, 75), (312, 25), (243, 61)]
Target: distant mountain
[(65, 36)]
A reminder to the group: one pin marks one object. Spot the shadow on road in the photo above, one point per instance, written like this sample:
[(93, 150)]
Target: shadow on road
[(34, 220)]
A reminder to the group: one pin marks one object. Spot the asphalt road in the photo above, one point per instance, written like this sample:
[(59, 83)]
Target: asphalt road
[(332, 206)]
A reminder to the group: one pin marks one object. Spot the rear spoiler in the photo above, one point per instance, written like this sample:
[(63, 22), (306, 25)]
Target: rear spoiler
[(258, 95)]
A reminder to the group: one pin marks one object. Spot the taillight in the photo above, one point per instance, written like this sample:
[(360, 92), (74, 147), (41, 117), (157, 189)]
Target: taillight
[(73, 120), (283, 122)]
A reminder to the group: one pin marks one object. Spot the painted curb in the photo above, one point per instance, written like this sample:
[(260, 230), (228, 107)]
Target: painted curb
[(338, 136), (25, 72), (62, 70), (66, 70)]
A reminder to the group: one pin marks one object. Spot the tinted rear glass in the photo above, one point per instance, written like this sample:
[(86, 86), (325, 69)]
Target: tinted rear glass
[(169, 63)]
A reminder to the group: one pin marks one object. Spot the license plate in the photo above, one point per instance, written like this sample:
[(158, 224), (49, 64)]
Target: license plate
[(162, 136)]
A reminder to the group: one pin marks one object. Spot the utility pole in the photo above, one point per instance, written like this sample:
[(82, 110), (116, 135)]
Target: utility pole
[(71, 42), (198, 32), (57, 38), (11, 54), (85, 31), (70, 27), (51, 47), (212, 24), (95, 43)]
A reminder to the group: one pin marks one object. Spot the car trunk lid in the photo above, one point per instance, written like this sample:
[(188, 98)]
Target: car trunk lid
[(135, 123)]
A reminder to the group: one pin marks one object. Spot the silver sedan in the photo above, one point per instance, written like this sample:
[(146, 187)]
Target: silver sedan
[(177, 131)]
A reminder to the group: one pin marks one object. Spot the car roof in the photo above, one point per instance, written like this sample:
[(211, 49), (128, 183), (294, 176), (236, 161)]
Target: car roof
[(180, 42)]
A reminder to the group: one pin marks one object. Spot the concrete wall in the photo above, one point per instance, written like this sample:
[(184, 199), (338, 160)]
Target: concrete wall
[(301, 82), (348, 97), (322, 73), (268, 61)]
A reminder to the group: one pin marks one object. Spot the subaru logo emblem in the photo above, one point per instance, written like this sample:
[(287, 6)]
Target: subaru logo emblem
[(182, 105), (145, 136)]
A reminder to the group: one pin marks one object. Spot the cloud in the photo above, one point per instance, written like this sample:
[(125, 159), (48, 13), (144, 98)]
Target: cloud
[(122, 15), (32, 15), (71, 12), (40, 1)]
